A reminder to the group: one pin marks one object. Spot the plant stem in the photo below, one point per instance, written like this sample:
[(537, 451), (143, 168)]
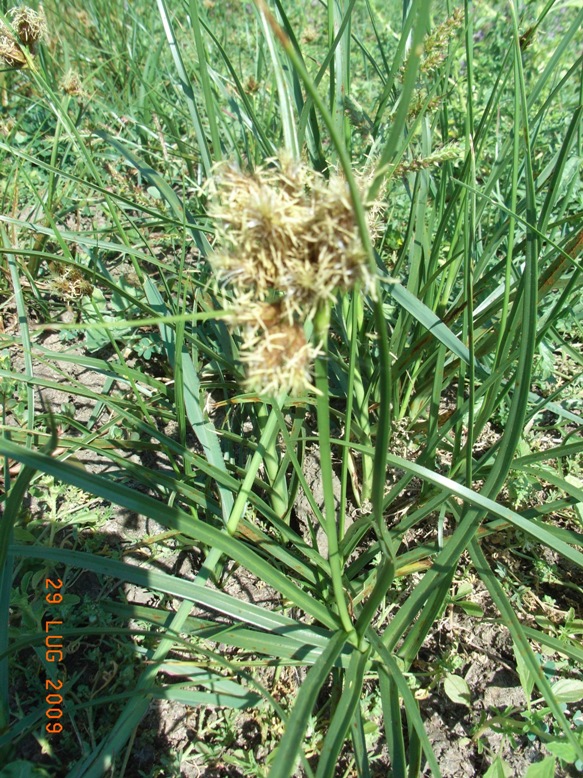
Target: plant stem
[(271, 460), (321, 325)]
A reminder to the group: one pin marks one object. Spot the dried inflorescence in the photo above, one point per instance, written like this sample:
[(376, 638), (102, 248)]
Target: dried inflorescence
[(276, 353), (72, 85), (11, 53), (69, 283), (287, 242), (29, 27)]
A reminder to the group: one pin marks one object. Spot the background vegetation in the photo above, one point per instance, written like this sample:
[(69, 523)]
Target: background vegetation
[(438, 464)]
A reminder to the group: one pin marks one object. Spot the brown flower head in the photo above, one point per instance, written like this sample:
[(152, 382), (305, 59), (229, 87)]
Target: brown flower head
[(11, 54), (72, 85), (30, 26), (276, 354), (69, 283)]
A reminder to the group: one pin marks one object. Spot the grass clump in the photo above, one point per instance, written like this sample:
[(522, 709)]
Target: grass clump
[(291, 305)]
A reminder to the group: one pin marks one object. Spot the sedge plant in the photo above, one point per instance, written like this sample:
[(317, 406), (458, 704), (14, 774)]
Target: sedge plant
[(346, 253)]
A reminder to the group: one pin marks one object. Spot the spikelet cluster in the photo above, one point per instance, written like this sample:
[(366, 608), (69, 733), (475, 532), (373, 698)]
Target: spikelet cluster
[(72, 85), (447, 153), (287, 241), (287, 231), (276, 354), (437, 44), (29, 27), (69, 283)]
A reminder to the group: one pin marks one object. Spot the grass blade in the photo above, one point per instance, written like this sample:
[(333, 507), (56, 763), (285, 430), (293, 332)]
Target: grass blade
[(288, 751)]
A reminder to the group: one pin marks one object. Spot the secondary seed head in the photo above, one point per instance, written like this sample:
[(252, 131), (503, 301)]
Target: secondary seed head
[(29, 27), (276, 354), (11, 53)]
